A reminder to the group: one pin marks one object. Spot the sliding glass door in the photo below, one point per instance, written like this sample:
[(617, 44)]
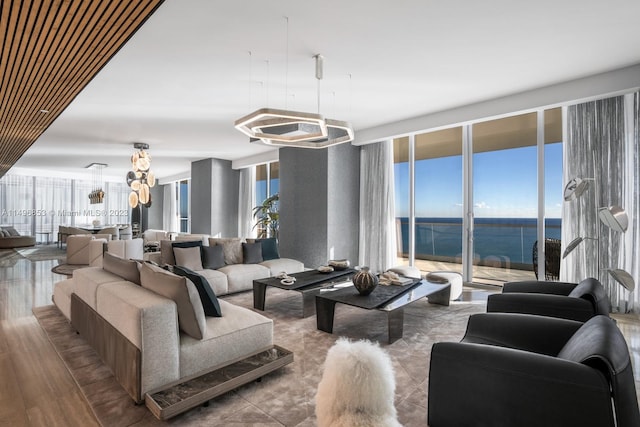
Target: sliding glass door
[(505, 198), (500, 197)]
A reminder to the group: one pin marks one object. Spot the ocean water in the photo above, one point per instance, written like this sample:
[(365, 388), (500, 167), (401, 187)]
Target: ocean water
[(505, 238)]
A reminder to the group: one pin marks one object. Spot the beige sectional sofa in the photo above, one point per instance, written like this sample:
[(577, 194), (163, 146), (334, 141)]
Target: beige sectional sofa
[(235, 275), (139, 329)]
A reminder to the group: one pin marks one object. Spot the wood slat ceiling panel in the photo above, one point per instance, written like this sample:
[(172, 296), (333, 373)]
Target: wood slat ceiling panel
[(51, 49)]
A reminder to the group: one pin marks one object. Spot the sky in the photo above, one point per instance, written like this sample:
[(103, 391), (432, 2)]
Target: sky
[(504, 184)]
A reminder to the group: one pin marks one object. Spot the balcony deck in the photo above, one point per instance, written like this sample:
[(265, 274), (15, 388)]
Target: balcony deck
[(482, 275)]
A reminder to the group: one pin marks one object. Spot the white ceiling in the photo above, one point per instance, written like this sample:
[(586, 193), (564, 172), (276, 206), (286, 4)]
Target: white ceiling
[(187, 75)]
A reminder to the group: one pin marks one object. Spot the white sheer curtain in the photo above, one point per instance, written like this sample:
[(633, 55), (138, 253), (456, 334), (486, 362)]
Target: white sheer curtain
[(246, 202), (169, 208), (377, 208), (116, 203), (53, 195), (17, 203), (598, 146)]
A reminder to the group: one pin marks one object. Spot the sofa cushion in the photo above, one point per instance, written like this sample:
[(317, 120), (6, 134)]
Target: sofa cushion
[(240, 277), (231, 247), (127, 249), (252, 253), (191, 318), (212, 257), (86, 282), (125, 268), (207, 296), (240, 332), (217, 280), (277, 266), (188, 257)]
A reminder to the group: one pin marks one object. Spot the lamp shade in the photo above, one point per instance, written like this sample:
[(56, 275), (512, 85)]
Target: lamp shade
[(571, 246), (575, 188), (614, 217), (623, 278)]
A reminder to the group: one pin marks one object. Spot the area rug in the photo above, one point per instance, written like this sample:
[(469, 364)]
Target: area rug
[(285, 397), (42, 253), (66, 269)]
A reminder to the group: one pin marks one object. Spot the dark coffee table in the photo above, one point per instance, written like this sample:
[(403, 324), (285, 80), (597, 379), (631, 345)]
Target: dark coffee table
[(394, 307), (308, 283)]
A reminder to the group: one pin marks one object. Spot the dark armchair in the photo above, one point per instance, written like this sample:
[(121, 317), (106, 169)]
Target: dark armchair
[(572, 301), (523, 370)]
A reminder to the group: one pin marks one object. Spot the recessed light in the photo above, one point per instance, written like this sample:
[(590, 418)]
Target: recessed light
[(43, 111)]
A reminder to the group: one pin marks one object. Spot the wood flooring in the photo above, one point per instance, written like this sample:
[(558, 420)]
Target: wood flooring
[(35, 387)]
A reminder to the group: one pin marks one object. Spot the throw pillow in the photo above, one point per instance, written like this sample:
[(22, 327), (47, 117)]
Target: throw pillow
[(207, 296), (4, 233), (188, 257), (252, 253), (12, 231), (212, 257), (269, 248), (182, 291), (231, 247), (183, 244), (125, 268)]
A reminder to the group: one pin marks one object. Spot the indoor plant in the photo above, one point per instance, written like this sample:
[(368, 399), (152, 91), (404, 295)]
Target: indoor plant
[(267, 217)]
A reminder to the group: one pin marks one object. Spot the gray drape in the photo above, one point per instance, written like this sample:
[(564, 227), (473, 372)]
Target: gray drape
[(169, 208), (596, 147), (377, 209)]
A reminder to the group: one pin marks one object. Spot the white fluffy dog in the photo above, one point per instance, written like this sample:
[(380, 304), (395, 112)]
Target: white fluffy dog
[(357, 388)]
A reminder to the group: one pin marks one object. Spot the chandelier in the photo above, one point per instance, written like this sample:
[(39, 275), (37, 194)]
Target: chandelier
[(294, 128), (141, 179), (97, 194)]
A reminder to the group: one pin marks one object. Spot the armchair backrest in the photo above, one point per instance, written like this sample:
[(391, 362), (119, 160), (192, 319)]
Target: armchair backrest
[(600, 344), (154, 236), (591, 290)]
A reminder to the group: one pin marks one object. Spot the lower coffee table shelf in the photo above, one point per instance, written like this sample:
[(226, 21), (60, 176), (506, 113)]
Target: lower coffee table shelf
[(181, 397)]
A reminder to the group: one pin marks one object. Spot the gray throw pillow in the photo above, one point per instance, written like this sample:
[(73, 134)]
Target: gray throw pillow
[(252, 253), (269, 248), (182, 291), (212, 257), (12, 231), (188, 257), (125, 268)]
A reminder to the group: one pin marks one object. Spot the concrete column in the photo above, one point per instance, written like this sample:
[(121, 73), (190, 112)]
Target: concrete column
[(214, 198), (319, 204)]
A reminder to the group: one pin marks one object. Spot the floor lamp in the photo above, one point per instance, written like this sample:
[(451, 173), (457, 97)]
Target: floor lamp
[(614, 217)]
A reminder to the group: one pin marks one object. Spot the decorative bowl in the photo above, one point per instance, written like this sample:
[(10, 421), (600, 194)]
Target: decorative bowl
[(339, 264), (325, 269)]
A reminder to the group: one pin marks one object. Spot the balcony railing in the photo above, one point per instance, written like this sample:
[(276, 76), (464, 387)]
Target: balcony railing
[(498, 242)]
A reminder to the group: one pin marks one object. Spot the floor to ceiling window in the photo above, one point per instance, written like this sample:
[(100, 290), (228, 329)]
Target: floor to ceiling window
[(502, 202), (37, 205), (267, 181), (183, 206)]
